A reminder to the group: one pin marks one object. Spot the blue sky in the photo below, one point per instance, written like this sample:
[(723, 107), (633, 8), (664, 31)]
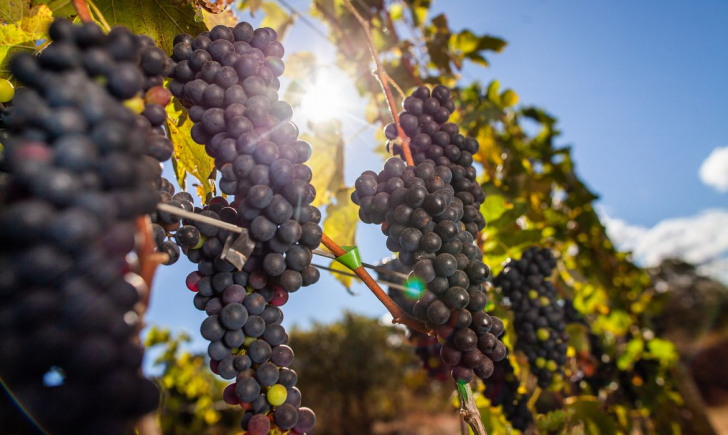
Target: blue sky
[(640, 91)]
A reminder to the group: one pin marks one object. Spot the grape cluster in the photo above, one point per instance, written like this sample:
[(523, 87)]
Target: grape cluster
[(421, 217), (538, 317), (76, 178), (228, 78), (434, 139), (502, 390)]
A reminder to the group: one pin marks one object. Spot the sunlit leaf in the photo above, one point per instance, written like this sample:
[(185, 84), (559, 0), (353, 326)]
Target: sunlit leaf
[(632, 352), (509, 98), (342, 219), (395, 11), (662, 350), (225, 18), (189, 157), (251, 5), (493, 207), (344, 278), (23, 27), (300, 65), (161, 20), (277, 19), (327, 160)]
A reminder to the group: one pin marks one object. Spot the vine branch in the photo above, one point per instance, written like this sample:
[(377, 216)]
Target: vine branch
[(384, 81), (406, 56), (83, 11), (148, 263), (469, 410), (399, 316)]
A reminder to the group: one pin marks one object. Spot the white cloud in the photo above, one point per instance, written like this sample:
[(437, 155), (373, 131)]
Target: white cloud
[(714, 170), (701, 239)]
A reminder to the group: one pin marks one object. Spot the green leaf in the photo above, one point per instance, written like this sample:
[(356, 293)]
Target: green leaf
[(23, 27), (632, 352), (578, 337), (419, 9), (493, 207), (277, 19), (491, 43), (60, 8), (464, 42), (662, 350), (327, 160), (161, 20), (590, 411), (189, 157)]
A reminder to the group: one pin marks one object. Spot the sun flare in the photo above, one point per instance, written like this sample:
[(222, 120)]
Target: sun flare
[(326, 98)]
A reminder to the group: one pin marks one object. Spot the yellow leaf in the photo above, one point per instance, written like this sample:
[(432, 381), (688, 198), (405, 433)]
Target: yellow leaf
[(395, 11), (277, 19), (344, 279), (342, 218), (340, 226), (225, 18), (300, 65), (252, 5), (327, 160), (509, 98), (189, 157)]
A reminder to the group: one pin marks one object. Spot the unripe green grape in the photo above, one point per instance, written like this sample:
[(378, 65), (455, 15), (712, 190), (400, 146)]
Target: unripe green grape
[(277, 395), (7, 91), (543, 334)]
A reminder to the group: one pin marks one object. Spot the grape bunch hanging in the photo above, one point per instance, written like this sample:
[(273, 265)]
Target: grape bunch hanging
[(434, 139), (77, 171), (538, 317), (423, 212), (228, 79)]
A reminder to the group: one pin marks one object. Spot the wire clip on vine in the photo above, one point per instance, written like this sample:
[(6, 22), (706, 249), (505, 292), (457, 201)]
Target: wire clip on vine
[(351, 259)]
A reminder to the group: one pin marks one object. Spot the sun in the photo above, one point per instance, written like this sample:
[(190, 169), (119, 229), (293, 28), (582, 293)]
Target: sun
[(327, 97)]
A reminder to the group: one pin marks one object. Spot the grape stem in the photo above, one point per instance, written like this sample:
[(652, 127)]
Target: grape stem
[(469, 410), (148, 259), (384, 81), (148, 262), (398, 315), (83, 11), (353, 275)]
